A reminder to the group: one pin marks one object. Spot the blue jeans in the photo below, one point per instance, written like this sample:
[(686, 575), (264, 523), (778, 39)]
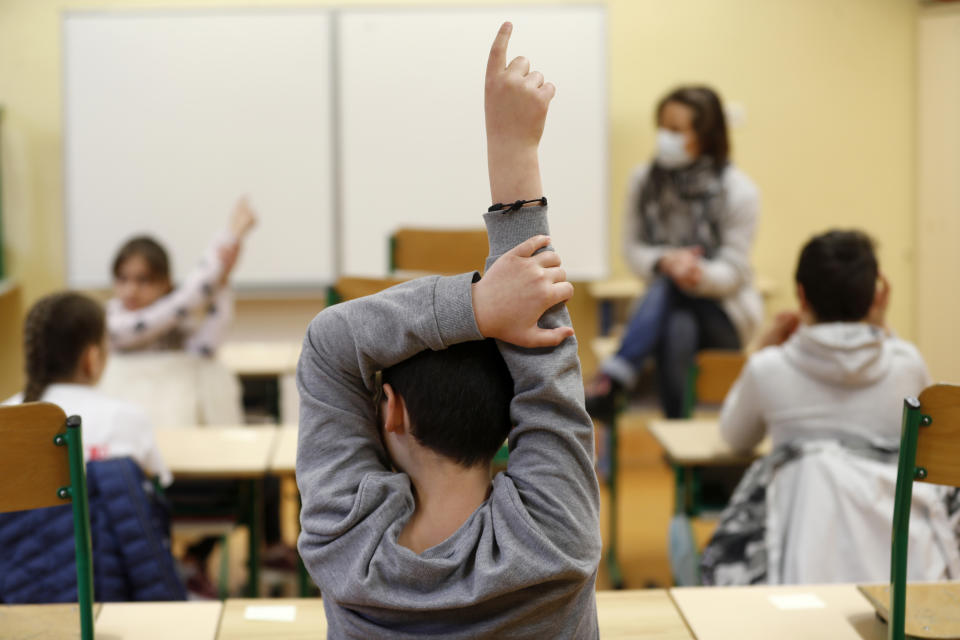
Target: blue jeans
[(671, 326)]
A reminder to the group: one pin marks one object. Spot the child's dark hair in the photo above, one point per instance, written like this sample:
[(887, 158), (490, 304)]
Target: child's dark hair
[(838, 272), (709, 120), (57, 330), (458, 399), (150, 250)]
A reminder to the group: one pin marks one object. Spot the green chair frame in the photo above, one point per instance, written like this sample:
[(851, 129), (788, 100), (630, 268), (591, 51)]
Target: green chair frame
[(929, 452), (38, 436)]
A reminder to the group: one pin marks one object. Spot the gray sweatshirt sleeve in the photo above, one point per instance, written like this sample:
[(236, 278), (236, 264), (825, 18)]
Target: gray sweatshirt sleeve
[(551, 444), (346, 344)]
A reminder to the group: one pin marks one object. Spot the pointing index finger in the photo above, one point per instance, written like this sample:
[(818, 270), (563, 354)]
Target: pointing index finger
[(498, 52)]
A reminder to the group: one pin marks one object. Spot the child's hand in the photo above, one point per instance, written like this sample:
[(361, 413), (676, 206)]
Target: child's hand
[(785, 324), (243, 218), (516, 101), (683, 267), (516, 291)]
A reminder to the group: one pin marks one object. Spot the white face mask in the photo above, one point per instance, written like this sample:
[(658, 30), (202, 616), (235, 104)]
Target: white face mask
[(671, 150)]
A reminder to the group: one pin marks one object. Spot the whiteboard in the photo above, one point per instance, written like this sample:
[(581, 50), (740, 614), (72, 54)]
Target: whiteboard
[(412, 149), (171, 115)]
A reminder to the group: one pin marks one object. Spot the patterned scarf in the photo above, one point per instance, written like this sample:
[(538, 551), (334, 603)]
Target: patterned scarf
[(682, 207)]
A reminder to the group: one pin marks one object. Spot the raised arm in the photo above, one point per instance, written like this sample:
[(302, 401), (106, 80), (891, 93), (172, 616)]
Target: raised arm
[(551, 445)]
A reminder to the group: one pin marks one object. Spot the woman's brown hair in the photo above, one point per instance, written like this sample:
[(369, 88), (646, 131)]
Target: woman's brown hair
[(57, 331), (709, 121)]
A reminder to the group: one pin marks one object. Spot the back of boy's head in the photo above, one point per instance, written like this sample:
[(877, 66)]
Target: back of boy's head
[(838, 272), (57, 330), (458, 399), (150, 250)]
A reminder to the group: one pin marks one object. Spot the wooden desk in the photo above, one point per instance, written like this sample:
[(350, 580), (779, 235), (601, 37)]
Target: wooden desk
[(639, 614), (697, 443), (225, 453), (834, 612), (158, 620), (260, 358), (284, 459), (622, 614), (41, 621), (217, 452), (268, 360), (631, 287), (309, 619)]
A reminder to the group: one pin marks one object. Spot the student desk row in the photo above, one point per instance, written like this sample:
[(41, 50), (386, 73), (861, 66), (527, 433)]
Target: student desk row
[(837, 612), (246, 453), (690, 445)]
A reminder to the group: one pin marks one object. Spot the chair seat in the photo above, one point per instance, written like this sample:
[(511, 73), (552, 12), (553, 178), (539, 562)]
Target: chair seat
[(933, 609)]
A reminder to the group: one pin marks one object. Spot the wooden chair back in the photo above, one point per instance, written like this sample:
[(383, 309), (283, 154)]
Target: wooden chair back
[(717, 370), (350, 288), (938, 441), (929, 452), (41, 460), (34, 468), (443, 251)]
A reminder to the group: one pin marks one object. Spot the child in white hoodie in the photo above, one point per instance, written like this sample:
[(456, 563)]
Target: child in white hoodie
[(832, 369)]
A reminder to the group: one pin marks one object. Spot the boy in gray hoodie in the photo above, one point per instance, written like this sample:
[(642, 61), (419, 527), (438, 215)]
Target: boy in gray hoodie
[(402, 528), (832, 369)]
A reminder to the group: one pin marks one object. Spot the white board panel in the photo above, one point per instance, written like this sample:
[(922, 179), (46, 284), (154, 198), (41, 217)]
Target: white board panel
[(171, 115), (412, 149)]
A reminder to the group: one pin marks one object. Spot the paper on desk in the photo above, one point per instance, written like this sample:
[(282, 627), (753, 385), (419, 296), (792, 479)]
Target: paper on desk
[(797, 601), (277, 613)]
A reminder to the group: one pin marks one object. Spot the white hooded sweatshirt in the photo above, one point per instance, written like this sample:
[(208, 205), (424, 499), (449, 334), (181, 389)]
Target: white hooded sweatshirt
[(826, 380)]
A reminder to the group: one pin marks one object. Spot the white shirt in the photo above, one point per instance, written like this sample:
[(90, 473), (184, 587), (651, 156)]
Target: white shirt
[(111, 428)]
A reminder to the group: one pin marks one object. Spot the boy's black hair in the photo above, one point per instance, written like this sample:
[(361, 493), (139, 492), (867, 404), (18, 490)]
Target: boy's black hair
[(150, 250), (838, 271), (56, 332), (458, 399)]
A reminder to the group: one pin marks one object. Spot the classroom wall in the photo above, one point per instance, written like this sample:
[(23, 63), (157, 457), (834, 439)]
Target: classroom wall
[(938, 190), (827, 89)]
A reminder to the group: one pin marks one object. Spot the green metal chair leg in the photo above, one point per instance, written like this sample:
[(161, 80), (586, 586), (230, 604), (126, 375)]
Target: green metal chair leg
[(77, 492), (906, 471)]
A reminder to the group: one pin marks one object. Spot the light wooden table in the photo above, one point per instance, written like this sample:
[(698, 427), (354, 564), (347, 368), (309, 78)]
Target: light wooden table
[(260, 358), (833, 612), (268, 360), (241, 453), (622, 614), (697, 443), (284, 459), (639, 614), (41, 621), (691, 445), (217, 452), (245, 619), (631, 287), (158, 620)]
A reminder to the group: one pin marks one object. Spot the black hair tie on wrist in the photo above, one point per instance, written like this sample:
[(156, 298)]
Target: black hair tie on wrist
[(516, 206)]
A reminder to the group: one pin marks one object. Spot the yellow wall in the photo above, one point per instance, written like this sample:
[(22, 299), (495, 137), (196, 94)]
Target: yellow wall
[(827, 85), (938, 190)]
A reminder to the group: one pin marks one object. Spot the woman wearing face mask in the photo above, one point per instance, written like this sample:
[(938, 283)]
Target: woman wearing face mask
[(688, 228)]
